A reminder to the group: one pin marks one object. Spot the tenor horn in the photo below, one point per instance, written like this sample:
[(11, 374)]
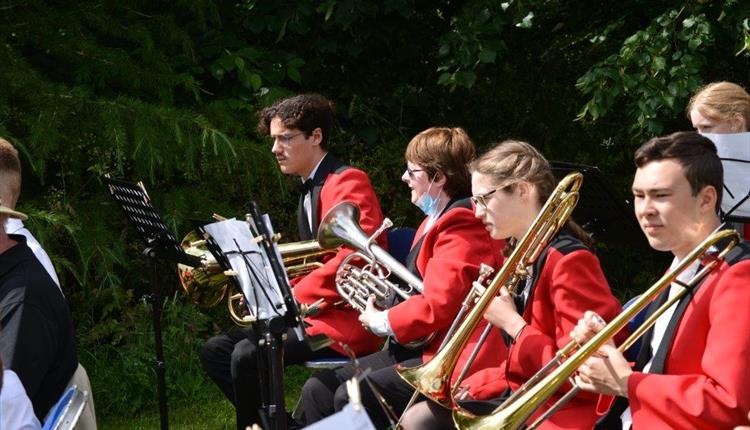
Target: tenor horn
[(356, 283), (516, 410), (207, 285)]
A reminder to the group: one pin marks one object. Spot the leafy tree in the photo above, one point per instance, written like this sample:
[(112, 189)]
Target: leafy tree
[(167, 92)]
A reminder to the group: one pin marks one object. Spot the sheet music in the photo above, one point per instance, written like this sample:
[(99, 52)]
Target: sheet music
[(347, 418), (734, 151), (254, 274)]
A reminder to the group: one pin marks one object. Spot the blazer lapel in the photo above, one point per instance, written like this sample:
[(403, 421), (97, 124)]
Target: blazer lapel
[(330, 164)]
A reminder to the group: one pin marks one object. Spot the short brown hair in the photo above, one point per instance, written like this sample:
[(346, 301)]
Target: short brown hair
[(695, 153), (304, 112), (10, 174), (447, 151), (720, 101)]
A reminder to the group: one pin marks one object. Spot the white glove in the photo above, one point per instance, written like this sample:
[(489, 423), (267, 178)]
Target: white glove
[(374, 320)]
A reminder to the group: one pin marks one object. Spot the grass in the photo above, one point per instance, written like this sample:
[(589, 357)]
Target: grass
[(123, 378), (212, 411)]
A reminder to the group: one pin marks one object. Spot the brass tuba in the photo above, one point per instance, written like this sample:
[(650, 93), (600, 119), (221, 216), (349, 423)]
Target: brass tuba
[(513, 413), (207, 285), (433, 378), (356, 283)]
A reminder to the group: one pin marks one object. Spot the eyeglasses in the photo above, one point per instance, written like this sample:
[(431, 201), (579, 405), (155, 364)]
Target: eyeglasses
[(411, 172), (481, 200), (285, 139)]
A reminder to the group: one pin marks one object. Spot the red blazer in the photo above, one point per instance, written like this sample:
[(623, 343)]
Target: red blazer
[(569, 283), (341, 323), (448, 261), (706, 380)]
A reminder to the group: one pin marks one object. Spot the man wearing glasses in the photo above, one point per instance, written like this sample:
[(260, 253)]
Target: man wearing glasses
[(300, 129)]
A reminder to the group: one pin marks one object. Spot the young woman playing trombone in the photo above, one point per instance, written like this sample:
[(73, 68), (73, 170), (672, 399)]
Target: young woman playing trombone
[(511, 183)]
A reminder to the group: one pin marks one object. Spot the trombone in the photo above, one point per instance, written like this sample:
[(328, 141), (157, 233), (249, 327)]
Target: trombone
[(433, 378), (516, 410)]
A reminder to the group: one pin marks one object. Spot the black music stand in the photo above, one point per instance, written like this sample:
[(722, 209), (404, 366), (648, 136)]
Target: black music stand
[(601, 210), (160, 244), (272, 330)]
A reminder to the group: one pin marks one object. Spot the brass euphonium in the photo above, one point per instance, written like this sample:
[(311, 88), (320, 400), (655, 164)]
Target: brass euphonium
[(433, 378), (356, 283), (207, 284), (516, 410)]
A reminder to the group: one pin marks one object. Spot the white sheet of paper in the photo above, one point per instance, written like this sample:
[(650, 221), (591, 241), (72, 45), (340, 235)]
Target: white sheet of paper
[(734, 151), (347, 418), (225, 233)]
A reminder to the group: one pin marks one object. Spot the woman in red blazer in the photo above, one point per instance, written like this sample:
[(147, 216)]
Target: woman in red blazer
[(448, 249), (510, 183)]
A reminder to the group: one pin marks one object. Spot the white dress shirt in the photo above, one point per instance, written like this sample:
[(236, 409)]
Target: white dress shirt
[(16, 412), (660, 327), (307, 202)]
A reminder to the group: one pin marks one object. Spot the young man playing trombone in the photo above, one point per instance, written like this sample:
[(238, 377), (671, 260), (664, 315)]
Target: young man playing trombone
[(692, 370)]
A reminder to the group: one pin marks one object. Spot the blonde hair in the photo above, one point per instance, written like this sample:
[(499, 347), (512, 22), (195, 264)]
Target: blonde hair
[(447, 151), (10, 174), (720, 101)]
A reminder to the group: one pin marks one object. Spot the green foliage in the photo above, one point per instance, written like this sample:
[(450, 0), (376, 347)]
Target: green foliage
[(122, 372), (167, 93), (658, 68), (476, 36)]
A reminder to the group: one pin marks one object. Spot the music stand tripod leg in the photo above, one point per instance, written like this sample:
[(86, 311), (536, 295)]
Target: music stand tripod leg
[(156, 312), (271, 369)]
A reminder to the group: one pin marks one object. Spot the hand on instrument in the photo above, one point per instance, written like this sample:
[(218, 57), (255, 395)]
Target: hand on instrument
[(462, 393), (605, 373), (587, 327), (374, 320), (502, 313)]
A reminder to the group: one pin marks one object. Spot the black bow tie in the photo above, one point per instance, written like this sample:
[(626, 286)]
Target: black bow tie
[(305, 187)]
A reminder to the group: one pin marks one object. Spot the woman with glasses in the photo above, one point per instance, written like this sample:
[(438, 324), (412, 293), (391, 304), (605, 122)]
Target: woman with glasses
[(447, 251), (510, 184)]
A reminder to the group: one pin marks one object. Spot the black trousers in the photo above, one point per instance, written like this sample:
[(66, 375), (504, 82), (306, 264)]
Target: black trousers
[(231, 360), (324, 393)]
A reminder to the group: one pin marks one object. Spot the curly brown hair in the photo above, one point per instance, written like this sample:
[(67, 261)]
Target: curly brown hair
[(304, 112)]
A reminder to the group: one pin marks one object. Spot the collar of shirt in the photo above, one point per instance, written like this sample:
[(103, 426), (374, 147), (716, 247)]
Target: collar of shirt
[(315, 170), (12, 225)]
